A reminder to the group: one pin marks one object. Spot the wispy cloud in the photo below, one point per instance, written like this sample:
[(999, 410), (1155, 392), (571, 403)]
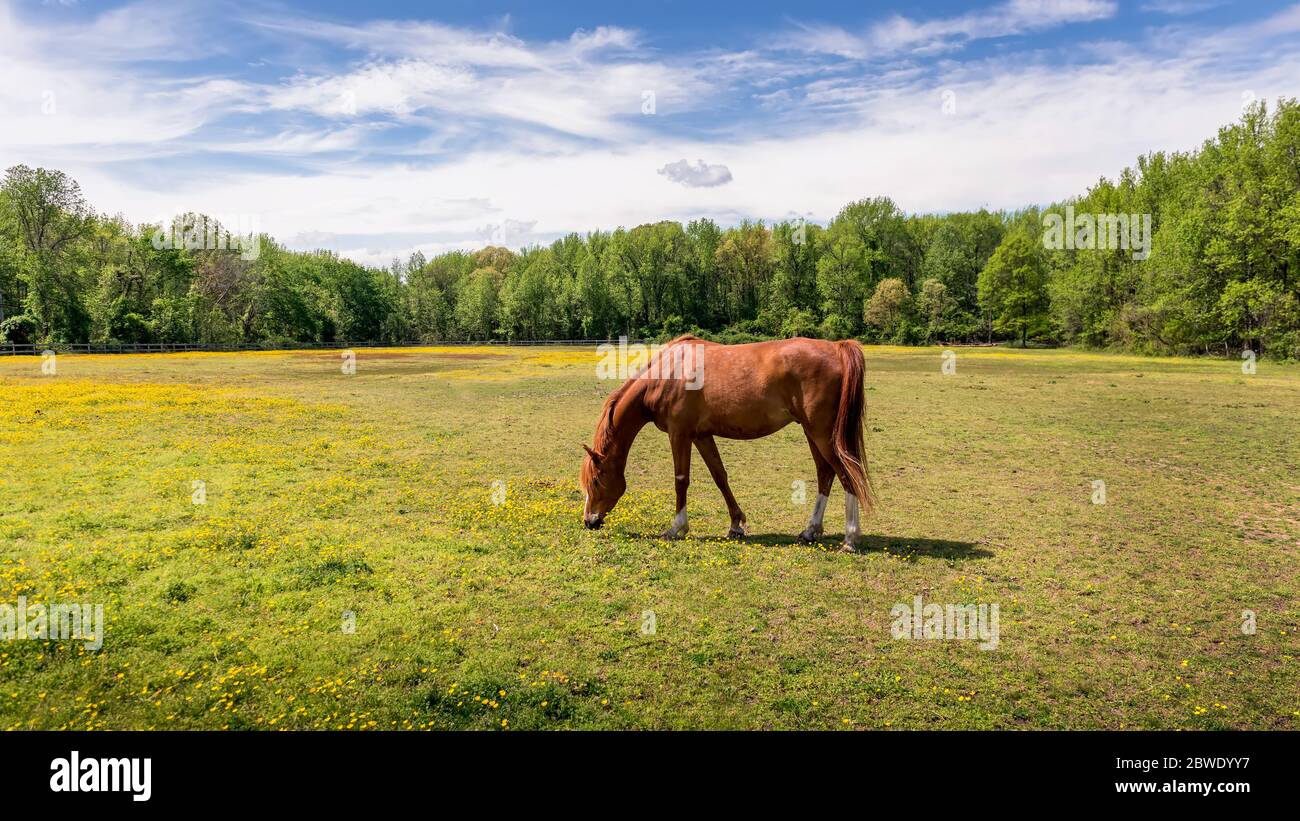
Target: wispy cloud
[(904, 34), (592, 84), (1181, 7)]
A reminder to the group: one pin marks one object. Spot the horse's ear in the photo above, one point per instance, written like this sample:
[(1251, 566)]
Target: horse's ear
[(595, 457)]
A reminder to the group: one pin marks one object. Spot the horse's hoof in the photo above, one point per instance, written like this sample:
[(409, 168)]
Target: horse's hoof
[(848, 548), (736, 533), (672, 535), (809, 536)]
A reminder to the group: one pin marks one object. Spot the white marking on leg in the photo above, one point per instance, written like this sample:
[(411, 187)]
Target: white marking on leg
[(819, 513), (679, 527), (851, 526)]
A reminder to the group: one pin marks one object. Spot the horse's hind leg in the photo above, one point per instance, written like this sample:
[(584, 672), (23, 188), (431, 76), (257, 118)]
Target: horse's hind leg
[(825, 478), (709, 451), (852, 526)]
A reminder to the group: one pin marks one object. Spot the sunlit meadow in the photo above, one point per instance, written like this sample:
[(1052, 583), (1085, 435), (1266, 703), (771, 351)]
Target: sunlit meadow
[(401, 548)]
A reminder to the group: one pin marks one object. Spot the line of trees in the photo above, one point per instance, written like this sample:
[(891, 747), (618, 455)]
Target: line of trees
[(1222, 273)]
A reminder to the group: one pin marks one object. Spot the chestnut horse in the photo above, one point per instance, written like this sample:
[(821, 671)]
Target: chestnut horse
[(737, 392)]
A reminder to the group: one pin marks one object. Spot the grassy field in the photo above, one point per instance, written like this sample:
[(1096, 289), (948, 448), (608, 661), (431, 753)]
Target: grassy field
[(376, 495)]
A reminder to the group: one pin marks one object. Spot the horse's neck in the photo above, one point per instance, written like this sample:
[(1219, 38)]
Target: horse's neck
[(629, 418)]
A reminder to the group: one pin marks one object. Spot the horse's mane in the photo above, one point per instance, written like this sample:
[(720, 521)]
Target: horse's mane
[(603, 441), (604, 438)]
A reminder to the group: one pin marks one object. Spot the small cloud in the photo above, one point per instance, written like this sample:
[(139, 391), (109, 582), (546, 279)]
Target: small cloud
[(698, 175)]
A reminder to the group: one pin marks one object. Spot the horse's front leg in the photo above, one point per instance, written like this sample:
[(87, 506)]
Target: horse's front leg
[(681, 445), (709, 450)]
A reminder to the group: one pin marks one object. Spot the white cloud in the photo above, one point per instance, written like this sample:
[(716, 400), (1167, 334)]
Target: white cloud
[(590, 85), (699, 175), (64, 85)]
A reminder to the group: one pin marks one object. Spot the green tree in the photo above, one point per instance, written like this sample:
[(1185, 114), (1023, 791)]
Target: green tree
[(840, 284), (888, 309), (936, 308), (1013, 288), (50, 217), (477, 306), (531, 298), (745, 264)]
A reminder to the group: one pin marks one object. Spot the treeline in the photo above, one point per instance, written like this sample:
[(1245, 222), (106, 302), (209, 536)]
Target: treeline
[(1217, 271)]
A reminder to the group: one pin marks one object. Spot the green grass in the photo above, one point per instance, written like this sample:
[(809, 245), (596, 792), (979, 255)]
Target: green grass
[(372, 495)]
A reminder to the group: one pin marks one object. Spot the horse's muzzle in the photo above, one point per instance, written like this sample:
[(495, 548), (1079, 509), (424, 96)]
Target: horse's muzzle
[(593, 522)]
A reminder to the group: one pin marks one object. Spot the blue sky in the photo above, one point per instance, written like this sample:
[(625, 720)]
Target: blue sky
[(379, 128)]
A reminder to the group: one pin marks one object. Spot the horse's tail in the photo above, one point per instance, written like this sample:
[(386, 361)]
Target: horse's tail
[(847, 437)]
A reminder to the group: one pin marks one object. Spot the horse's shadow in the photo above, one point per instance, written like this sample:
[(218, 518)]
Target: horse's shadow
[(903, 546), (898, 545)]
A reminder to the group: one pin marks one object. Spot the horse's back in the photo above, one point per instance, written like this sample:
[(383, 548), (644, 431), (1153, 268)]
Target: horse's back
[(752, 389), (798, 357)]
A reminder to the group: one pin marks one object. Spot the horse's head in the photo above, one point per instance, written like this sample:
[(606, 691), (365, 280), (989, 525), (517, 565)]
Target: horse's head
[(603, 484)]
